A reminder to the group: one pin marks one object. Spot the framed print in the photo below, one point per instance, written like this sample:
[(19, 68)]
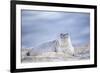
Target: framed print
[(52, 36)]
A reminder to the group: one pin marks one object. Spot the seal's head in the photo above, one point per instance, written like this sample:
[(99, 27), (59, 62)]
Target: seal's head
[(64, 36)]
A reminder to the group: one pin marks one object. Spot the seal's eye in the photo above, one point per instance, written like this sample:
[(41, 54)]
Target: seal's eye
[(61, 34)]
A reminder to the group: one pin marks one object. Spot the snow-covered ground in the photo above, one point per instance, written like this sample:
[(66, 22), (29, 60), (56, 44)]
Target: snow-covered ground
[(81, 53)]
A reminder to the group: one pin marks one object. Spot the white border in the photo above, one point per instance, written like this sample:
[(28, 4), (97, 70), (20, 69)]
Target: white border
[(20, 65)]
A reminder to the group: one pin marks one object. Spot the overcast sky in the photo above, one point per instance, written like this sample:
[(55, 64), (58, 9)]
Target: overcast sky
[(43, 26)]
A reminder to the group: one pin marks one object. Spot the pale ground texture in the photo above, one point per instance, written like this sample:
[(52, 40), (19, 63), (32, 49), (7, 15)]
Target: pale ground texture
[(81, 53)]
